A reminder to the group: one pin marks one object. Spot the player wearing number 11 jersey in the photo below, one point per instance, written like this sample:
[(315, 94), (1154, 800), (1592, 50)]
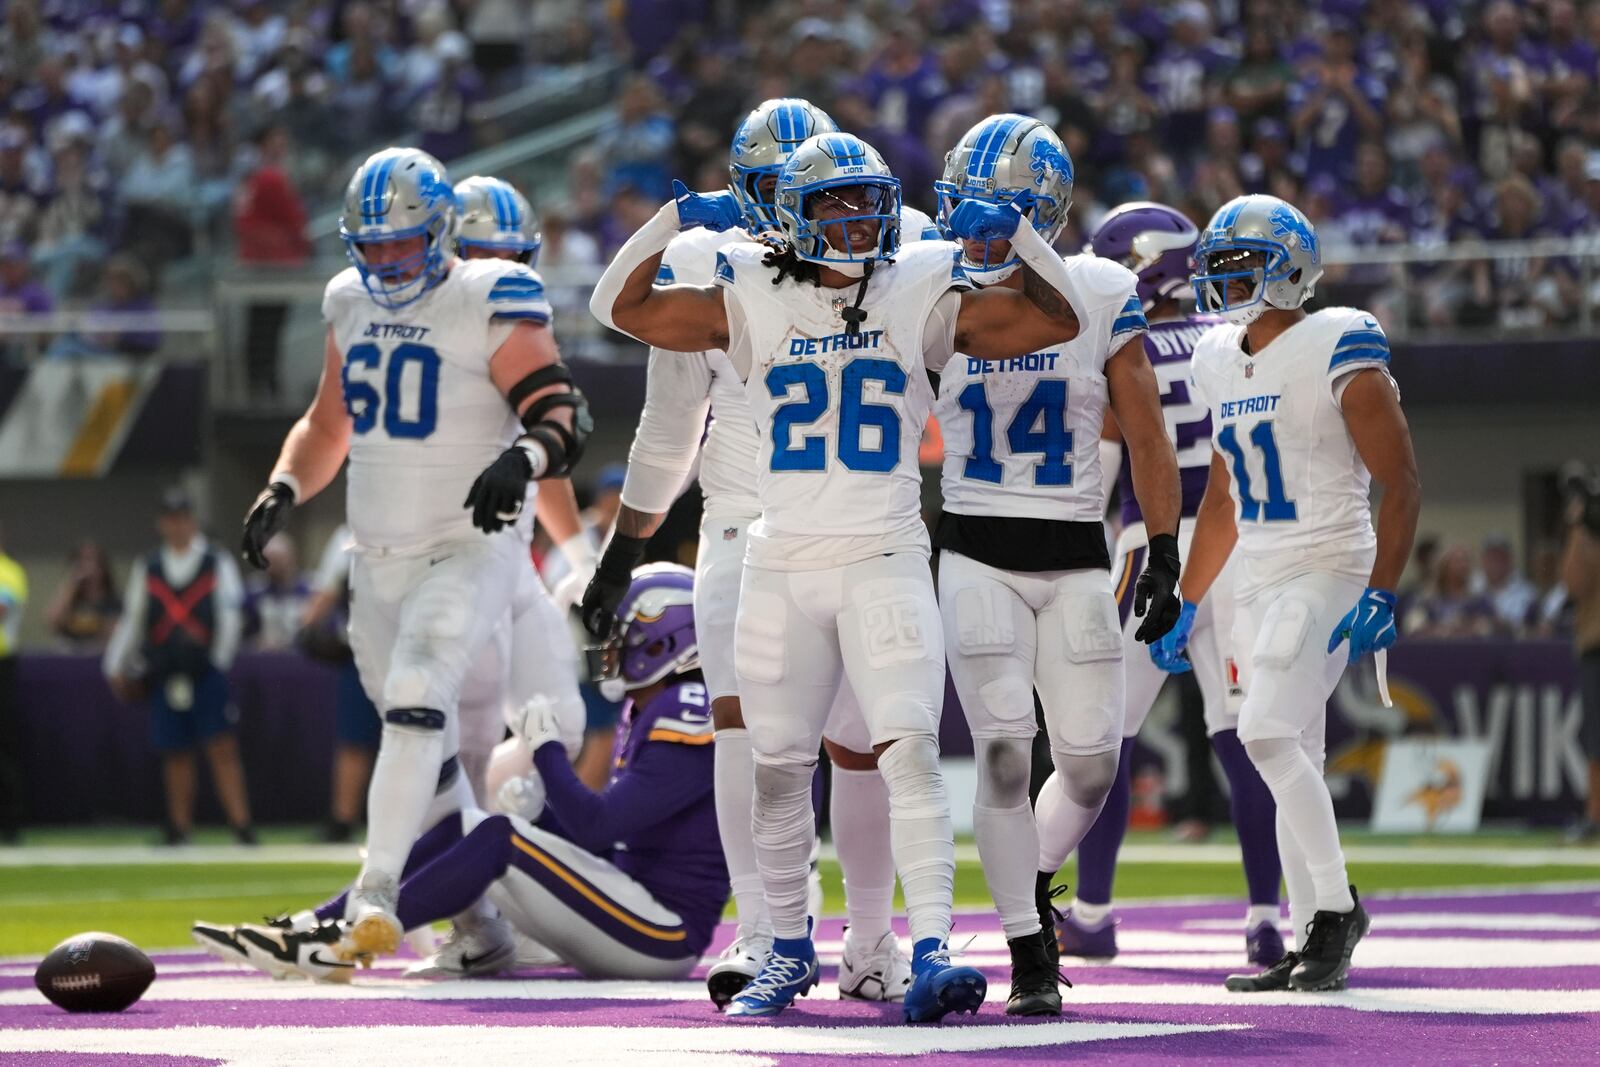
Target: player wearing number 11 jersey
[(1304, 415), (1024, 585), (430, 365)]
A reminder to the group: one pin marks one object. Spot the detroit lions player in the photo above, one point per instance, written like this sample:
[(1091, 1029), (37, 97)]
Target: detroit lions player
[(1157, 242), (429, 363), (677, 390), (1024, 583), (1304, 415), (832, 327), (625, 883)]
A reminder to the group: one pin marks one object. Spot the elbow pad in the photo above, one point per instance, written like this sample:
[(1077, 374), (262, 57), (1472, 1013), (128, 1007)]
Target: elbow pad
[(563, 446)]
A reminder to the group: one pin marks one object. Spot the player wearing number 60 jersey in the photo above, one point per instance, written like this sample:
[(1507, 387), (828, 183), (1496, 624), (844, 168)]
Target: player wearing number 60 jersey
[(429, 366), (1157, 242), (1024, 587), (1303, 415), (832, 327)]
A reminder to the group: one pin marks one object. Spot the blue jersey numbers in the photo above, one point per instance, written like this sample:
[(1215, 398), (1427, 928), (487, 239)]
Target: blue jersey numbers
[(399, 388), (1277, 507), (806, 384), (1039, 427)]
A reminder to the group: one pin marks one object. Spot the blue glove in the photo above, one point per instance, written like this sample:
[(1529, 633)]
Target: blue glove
[(715, 211), (1167, 651), (1369, 625), (979, 220)]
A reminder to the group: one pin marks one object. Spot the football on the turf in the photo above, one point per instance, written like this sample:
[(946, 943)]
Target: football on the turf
[(94, 972)]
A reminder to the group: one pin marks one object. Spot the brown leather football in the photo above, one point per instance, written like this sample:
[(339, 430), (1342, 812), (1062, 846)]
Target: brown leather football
[(94, 972)]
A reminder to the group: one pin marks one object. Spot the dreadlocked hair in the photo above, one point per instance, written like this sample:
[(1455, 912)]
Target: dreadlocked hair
[(781, 258)]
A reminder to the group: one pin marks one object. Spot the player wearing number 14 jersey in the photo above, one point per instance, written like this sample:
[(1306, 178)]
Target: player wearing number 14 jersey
[(430, 364), (1024, 587), (1304, 415)]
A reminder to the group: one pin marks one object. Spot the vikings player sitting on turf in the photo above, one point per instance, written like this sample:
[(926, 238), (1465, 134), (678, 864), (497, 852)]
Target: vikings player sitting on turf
[(625, 883)]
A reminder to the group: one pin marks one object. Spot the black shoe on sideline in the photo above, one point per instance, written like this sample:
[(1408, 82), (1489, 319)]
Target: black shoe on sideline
[(337, 833), (1325, 958), (1274, 979), (245, 835), (1035, 982)]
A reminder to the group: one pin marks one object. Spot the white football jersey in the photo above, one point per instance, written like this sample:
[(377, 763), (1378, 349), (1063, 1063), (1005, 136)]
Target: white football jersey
[(679, 384), (427, 418), (1297, 480), (840, 417), (1022, 436)]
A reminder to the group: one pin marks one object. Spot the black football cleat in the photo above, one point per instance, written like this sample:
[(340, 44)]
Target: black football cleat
[(309, 952), (1330, 939), (1035, 982), (1049, 915), (1274, 979)]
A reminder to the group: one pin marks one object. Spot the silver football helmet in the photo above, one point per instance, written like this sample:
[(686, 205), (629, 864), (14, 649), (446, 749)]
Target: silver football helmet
[(821, 167), (493, 217), (1001, 159), (1261, 240), (399, 194), (761, 144)]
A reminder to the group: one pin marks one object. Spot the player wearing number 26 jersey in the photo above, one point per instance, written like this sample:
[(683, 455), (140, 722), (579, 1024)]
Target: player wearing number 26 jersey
[(1024, 589), (1304, 414), (430, 365)]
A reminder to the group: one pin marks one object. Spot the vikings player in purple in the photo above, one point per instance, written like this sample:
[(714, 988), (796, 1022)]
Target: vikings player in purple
[(1157, 242), (625, 883)]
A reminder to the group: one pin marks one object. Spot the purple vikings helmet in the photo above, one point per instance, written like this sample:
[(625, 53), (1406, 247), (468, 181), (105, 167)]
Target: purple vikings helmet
[(1154, 241), (655, 636)]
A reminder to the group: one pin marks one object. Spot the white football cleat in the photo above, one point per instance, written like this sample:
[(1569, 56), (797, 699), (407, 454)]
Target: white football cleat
[(374, 929), (531, 953), (880, 973), (738, 965), (309, 953), (487, 949)]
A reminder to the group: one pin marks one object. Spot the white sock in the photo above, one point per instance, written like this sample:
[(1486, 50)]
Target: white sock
[(784, 828), (733, 783), (859, 814), (1054, 827), (919, 827), (1008, 840), (1302, 891), (403, 780), (1090, 916), (1260, 913), (1307, 808)]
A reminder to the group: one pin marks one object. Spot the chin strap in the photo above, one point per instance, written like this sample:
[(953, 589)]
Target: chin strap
[(853, 315)]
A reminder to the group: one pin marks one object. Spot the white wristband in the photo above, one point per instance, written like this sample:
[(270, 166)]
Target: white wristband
[(289, 480), (650, 239), (538, 458), (580, 552)]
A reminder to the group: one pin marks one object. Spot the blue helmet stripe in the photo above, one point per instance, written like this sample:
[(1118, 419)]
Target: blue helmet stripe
[(513, 212), (377, 182), (793, 123), (497, 198), (986, 153)]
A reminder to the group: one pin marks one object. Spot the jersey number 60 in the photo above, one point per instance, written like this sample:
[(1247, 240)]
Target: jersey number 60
[(409, 403), (855, 414)]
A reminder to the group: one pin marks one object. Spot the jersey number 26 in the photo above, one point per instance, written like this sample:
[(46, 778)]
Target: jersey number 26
[(855, 415)]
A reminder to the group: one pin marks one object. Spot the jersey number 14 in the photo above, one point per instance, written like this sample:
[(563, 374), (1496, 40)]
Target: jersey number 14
[(408, 403), (1039, 426)]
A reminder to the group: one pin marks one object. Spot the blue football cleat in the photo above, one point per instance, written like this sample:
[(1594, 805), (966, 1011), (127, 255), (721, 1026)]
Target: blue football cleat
[(938, 987), (790, 971), (1264, 945)]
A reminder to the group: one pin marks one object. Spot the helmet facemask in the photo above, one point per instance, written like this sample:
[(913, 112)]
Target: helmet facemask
[(1223, 268), (819, 219), (399, 282)]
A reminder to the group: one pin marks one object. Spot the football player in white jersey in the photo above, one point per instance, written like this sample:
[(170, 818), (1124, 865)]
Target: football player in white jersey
[(1304, 415), (430, 365), (1157, 242), (678, 389), (832, 327), (1024, 576)]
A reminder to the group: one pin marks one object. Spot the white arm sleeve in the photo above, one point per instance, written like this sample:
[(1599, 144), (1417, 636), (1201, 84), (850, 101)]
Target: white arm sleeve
[(230, 613), (939, 332), (677, 395), (651, 238), (124, 639)]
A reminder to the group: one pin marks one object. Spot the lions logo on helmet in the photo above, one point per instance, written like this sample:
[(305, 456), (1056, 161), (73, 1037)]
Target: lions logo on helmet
[(1008, 159), (398, 195), (823, 166), (1263, 242), (763, 142), (495, 218)]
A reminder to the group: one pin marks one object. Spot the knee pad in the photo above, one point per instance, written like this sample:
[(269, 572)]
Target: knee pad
[(910, 769), (759, 652), (1007, 704), (1274, 757), (414, 720), (782, 740), (783, 802), (1086, 780), (1090, 628), (1005, 766), (1283, 633), (892, 716)]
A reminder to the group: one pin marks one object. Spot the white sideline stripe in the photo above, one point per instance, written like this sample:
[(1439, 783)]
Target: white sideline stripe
[(168, 856), (1437, 921), (226, 891), (210, 966), (1137, 947), (654, 1046)]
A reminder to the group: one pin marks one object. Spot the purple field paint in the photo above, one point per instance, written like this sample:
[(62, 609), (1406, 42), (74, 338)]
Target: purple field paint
[(1431, 991)]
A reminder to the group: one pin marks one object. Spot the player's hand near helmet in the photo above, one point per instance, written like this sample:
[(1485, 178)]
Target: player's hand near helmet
[(264, 519), (980, 220), (715, 211), (611, 581)]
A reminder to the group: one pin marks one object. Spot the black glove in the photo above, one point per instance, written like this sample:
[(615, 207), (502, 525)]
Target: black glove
[(496, 497), (610, 584), (1156, 591), (265, 518)]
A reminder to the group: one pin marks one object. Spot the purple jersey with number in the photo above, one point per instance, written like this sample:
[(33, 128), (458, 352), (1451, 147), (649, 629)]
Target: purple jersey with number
[(1169, 345)]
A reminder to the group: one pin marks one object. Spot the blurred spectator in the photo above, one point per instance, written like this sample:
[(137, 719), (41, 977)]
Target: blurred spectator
[(1183, 76), (422, 63), (495, 28), (258, 34), (86, 606), (20, 294), (607, 501), (13, 600), (441, 108), (1257, 85), (1512, 596), (22, 38), (360, 99), (173, 646), (269, 225), (21, 192), (158, 194), (123, 136), (1420, 576), (1580, 573), (72, 227), (275, 599), (1551, 613), (1335, 104), (361, 33), (637, 149), (1518, 291), (1450, 608), (125, 291)]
